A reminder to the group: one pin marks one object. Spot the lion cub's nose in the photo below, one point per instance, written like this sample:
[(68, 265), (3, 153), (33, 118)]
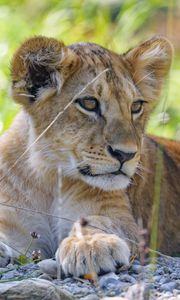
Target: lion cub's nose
[(120, 155)]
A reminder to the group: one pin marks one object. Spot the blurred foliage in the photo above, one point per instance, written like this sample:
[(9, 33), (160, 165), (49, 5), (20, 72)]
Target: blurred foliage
[(115, 24)]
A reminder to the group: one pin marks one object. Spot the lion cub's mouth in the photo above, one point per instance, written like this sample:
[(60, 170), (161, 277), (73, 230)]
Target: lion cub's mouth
[(86, 171)]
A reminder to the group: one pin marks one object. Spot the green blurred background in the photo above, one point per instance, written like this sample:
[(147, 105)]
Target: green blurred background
[(115, 24)]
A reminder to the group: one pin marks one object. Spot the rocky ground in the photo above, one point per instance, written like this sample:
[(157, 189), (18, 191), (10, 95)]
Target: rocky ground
[(39, 281)]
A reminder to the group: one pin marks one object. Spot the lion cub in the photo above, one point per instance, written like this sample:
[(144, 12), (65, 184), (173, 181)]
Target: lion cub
[(84, 110)]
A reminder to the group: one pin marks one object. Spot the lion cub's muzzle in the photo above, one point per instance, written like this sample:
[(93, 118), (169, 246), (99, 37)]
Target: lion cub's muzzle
[(119, 155)]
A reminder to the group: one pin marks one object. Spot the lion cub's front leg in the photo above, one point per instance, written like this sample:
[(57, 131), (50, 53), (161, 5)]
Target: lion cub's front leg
[(88, 249)]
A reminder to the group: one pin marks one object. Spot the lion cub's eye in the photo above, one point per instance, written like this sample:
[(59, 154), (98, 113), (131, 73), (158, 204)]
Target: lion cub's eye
[(137, 107), (89, 103)]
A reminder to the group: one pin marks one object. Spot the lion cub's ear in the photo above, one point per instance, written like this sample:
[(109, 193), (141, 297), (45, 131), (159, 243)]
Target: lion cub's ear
[(39, 68), (150, 63)]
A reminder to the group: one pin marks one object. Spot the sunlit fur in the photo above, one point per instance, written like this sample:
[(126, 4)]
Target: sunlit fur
[(47, 78)]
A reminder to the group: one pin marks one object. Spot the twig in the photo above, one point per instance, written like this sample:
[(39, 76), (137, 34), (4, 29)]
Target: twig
[(36, 211)]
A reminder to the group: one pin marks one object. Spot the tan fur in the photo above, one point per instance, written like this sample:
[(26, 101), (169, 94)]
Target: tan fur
[(46, 76)]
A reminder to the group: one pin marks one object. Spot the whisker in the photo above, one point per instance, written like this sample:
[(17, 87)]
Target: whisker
[(140, 167), (139, 174)]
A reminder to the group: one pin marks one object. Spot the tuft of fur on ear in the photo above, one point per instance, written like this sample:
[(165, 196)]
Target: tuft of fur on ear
[(39, 68), (150, 63)]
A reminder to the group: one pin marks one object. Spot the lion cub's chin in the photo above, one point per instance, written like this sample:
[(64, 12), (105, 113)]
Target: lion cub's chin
[(108, 182)]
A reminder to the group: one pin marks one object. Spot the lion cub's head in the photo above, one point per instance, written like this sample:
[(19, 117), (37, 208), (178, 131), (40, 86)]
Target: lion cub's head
[(96, 102)]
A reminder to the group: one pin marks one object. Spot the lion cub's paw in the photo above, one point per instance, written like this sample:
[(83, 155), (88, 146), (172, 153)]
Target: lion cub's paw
[(5, 254), (92, 253)]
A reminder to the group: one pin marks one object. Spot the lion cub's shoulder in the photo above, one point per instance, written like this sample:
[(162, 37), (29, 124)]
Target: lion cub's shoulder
[(171, 147)]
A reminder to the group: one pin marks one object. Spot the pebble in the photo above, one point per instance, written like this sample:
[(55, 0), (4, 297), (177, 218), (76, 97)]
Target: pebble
[(2, 270), (30, 266), (136, 262), (162, 284), (157, 278), (110, 278), (159, 271), (150, 268), (45, 276), (168, 286), (48, 266), (112, 293), (164, 280), (175, 276), (127, 278), (11, 274), (68, 280), (90, 297), (33, 289), (136, 269), (166, 270)]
